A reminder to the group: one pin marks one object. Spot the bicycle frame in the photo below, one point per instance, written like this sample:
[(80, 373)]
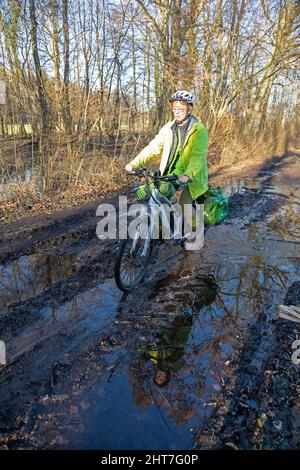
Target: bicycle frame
[(156, 213), (157, 203)]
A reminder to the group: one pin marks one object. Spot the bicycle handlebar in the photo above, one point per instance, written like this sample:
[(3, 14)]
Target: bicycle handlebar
[(142, 172)]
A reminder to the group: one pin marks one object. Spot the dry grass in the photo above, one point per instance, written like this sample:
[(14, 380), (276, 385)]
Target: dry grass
[(63, 185), (67, 179), (229, 145)]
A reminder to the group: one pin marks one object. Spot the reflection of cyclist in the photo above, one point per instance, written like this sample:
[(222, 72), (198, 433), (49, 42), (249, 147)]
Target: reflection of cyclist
[(167, 353), (182, 145), (205, 293)]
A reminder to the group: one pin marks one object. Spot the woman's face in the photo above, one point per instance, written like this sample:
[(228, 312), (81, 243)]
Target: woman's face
[(181, 110), (162, 378)]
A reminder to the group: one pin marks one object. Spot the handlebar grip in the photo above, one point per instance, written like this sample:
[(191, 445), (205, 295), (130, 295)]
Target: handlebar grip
[(170, 178)]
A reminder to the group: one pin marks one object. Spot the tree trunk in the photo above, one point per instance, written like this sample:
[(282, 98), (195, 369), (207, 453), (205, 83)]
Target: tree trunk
[(66, 80), (41, 92)]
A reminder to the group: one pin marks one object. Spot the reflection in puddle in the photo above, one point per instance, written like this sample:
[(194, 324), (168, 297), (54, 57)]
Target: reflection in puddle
[(85, 314), (93, 306), (28, 276), (25, 175), (166, 385)]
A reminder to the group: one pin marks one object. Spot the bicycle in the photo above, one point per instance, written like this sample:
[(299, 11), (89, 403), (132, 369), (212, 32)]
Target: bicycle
[(135, 253)]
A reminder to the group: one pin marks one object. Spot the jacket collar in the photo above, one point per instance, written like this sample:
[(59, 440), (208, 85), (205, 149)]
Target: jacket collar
[(192, 121), (192, 127)]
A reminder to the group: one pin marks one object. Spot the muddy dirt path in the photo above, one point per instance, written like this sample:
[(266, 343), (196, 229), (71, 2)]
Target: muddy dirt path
[(196, 357)]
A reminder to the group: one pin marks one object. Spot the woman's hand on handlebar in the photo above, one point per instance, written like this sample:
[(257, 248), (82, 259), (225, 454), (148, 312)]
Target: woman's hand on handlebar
[(129, 167), (184, 179)]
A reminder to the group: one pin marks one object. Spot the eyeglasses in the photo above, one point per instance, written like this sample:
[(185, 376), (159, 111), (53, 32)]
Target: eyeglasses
[(178, 110)]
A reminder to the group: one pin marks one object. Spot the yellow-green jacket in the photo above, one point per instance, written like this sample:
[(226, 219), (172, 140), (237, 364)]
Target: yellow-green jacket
[(192, 156)]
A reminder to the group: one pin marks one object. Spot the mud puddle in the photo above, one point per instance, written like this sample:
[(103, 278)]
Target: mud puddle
[(199, 341), (178, 363), (238, 185), (27, 175), (30, 275), (82, 316), (166, 370)]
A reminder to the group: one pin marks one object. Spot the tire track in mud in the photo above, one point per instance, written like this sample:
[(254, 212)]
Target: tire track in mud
[(40, 330), (49, 231), (29, 240), (259, 408), (61, 360)]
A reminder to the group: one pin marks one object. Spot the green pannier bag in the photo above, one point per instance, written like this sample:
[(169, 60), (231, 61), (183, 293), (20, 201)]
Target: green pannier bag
[(215, 205)]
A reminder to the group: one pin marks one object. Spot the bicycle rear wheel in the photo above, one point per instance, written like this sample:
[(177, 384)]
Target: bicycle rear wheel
[(133, 257)]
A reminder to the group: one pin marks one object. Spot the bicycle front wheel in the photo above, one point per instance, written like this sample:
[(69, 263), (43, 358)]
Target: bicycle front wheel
[(133, 257)]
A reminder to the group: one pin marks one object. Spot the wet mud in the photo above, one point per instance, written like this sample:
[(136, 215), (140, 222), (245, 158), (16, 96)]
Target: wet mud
[(196, 357)]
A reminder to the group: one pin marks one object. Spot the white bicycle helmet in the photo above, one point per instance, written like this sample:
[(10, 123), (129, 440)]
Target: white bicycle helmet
[(183, 95)]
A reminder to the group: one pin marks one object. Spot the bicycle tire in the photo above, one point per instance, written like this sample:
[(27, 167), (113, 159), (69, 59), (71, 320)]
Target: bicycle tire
[(119, 278)]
